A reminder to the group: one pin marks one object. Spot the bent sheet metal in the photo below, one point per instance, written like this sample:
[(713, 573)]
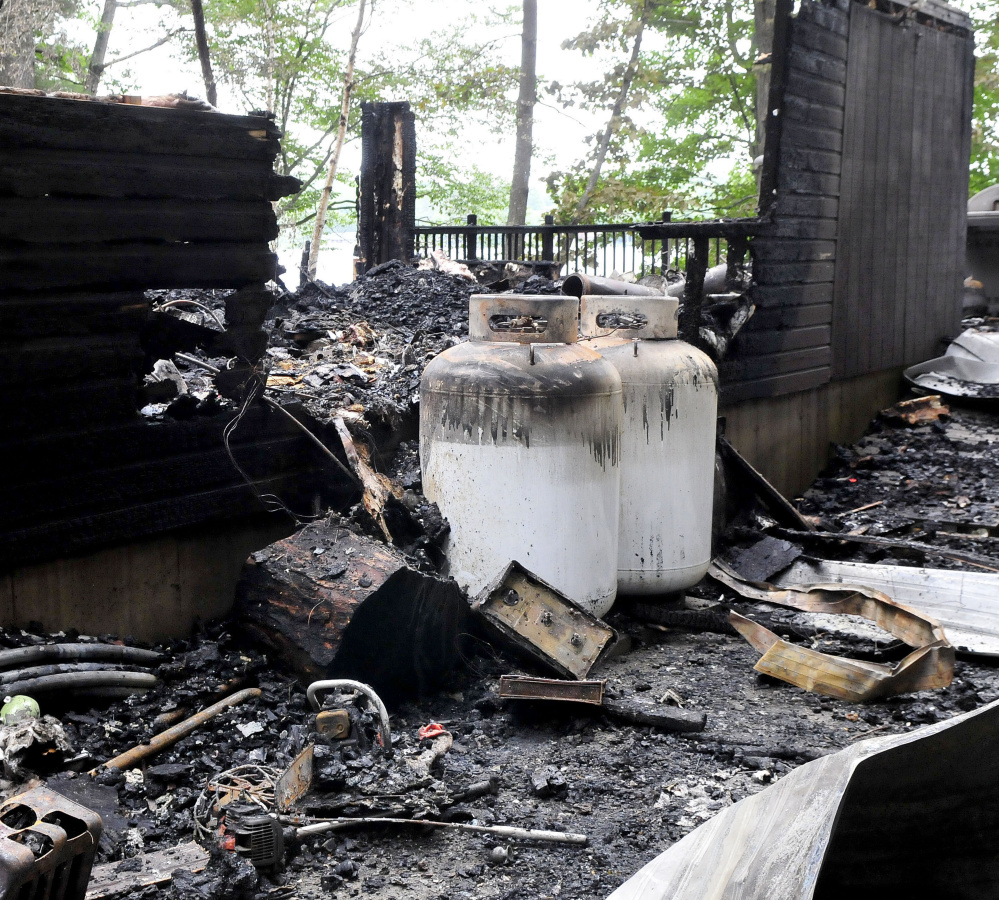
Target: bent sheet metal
[(930, 665), (906, 815), (966, 604)]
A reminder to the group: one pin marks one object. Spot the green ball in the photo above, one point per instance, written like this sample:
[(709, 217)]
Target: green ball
[(19, 707)]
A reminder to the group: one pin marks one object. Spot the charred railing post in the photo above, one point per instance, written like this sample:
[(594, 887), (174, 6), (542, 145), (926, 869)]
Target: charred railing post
[(471, 238), (387, 208), (548, 241), (693, 291), (734, 260)]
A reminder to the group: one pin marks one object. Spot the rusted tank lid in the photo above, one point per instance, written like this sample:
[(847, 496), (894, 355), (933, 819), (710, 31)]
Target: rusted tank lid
[(649, 318), (523, 319)]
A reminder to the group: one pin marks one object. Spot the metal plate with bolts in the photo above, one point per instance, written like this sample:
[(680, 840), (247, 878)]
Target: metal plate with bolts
[(295, 782), (543, 622), (522, 687), (334, 723)]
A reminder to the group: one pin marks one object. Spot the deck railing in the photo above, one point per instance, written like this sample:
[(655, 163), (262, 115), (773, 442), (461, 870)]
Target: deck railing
[(590, 249)]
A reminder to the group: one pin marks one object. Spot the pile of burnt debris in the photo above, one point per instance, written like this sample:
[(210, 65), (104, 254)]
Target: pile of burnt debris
[(359, 725)]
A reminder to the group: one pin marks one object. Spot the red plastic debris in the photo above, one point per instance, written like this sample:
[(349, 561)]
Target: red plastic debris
[(434, 729)]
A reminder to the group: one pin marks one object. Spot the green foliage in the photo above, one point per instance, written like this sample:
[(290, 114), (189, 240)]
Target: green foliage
[(454, 191), (985, 120), (276, 55), (693, 148)]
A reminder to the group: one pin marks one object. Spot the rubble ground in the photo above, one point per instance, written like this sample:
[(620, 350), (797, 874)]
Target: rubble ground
[(632, 790)]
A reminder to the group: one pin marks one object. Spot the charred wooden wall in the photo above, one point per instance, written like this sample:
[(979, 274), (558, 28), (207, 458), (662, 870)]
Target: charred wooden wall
[(859, 271), (99, 202)]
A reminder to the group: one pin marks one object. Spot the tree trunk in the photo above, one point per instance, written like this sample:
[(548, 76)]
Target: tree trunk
[(520, 184), (201, 38), (763, 41), (18, 23), (324, 199), (615, 120), (96, 68)]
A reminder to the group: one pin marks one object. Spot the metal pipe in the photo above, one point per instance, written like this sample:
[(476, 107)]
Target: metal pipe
[(369, 692), (165, 738), (509, 831), (106, 652), (205, 309), (579, 285), (78, 681)]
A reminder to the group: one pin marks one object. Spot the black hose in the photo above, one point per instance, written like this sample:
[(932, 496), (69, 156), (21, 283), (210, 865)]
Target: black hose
[(79, 681), (56, 669), (106, 652)]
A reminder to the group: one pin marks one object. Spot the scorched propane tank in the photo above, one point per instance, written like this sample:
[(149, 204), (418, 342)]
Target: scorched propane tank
[(520, 430), (670, 394)]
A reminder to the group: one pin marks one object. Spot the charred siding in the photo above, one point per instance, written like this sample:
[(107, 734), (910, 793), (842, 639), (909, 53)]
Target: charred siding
[(99, 202), (786, 345), (904, 192)]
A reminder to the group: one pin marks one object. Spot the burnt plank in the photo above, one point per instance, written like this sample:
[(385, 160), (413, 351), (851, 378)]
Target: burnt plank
[(808, 160), (818, 37), (849, 240), (23, 316), (121, 266), (875, 297), (815, 90), (792, 250), (817, 65), (789, 295), (804, 228), (792, 316), (797, 109), (736, 391), (749, 343), (68, 495), (769, 365), (767, 272), (898, 168), (36, 361), (796, 135), (50, 406), (56, 445), (83, 173), (20, 546), (49, 122), (797, 182), (813, 206), (54, 220), (827, 17)]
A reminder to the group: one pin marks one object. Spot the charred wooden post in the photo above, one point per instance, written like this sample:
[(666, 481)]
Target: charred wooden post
[(387, 205), (334, 604), (471, 237), (548, 240)]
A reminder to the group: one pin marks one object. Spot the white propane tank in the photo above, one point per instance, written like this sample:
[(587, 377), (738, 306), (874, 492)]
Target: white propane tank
[(670, 394), (520, 433)]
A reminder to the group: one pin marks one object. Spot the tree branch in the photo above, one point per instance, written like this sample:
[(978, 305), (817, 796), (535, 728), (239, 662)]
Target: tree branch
[(348, 87), (167, 37)]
